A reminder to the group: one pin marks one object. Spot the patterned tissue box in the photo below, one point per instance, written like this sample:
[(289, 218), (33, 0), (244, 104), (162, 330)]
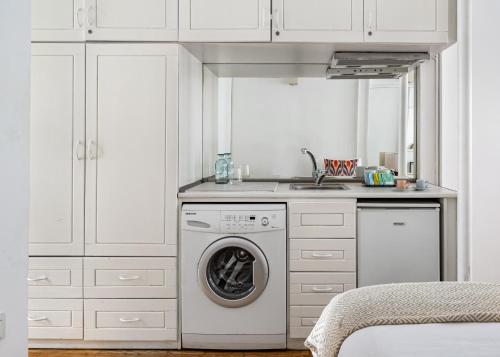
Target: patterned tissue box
[(341, 167)]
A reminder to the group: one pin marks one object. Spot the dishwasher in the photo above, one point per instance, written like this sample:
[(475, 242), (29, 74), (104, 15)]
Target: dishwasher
[(398, 242)]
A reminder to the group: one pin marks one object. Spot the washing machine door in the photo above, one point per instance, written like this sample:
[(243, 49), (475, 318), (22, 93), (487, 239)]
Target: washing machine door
[(233, 272)]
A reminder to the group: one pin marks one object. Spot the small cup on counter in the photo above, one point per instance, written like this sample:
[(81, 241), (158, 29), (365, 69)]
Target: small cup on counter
[(421, 185)]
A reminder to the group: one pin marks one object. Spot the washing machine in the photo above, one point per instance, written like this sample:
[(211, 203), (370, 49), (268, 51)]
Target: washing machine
[(233, 276)]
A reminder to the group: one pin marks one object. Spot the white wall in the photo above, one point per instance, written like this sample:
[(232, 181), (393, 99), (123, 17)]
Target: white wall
[(190, 118), (384, 119), (272, 121), (14, 180), (485, 141), (210, 121), (449, 118)]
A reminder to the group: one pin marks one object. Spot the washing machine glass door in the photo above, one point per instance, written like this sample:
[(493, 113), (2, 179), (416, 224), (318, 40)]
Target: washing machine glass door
[(233, 272)]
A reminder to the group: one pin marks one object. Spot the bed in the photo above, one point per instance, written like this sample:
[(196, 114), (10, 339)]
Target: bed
[(410, 320), (429, 340)]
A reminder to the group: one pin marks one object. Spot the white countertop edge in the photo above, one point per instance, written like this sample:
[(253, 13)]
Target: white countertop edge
[(355, 191)]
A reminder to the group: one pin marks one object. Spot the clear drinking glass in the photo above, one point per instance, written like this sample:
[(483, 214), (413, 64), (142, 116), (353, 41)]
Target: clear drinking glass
[(245, 171)]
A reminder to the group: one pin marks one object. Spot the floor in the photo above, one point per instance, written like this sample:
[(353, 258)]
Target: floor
[(91, 353)]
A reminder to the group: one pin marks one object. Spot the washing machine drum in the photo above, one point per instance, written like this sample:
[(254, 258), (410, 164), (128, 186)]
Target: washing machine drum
[(233, 272)]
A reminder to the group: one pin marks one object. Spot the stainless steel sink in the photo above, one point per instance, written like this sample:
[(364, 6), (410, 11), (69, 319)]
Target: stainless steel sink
[(324, 186)]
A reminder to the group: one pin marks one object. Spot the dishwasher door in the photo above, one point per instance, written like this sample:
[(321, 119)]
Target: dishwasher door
[(398, 244)]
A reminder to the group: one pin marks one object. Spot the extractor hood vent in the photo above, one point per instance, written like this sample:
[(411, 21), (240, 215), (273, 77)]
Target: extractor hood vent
[(370, 65)]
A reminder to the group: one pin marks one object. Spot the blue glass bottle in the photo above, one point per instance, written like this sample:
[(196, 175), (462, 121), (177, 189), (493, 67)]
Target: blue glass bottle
[(221, 170), (230, 165)]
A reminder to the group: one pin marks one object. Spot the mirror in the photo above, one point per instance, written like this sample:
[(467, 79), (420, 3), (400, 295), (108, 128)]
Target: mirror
[(264, 122)]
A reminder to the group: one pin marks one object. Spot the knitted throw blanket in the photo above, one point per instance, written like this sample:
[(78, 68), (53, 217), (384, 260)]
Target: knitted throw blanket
[(402, 304)]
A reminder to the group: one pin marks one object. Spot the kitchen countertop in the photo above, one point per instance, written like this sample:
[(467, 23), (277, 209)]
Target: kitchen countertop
[(283, 191)]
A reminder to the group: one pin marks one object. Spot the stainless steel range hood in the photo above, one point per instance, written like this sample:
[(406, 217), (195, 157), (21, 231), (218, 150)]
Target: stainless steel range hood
[(372, 65)]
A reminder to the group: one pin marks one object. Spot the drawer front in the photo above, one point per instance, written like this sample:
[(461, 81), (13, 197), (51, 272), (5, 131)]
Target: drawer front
[(323, 219), (303, 319), (131, 320), (55, 278), (323, 255), (130, 278), (310, 289), (55, 319)]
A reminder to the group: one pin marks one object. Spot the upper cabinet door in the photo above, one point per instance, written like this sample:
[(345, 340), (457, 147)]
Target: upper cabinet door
[(57, 137), (132, 20), (318, 21), (225, 20), (131, 172), (58, 20), (406, 21)]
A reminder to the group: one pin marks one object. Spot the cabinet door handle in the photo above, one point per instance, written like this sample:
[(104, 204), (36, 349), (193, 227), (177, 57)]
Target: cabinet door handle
[(80, 12), (322, 289), (322, 255), (91, 16), (266, 17), (125, 320), (37, 319), (80, 150), (276, 19), (92, 150), (129, 277), (38, 278), (399, 224)]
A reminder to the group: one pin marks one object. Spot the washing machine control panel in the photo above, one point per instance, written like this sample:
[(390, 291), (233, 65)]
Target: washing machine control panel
[(240, 222)]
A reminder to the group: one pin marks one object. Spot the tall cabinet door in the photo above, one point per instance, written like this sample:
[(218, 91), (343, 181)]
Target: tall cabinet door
[(58, 20), (407, 21), (132, 20), (225, 20), (317, 21), (131, 174), (57, 149)]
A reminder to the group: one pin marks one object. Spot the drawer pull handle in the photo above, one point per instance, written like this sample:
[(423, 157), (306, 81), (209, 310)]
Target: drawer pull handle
[(322, 289), (38, 319), (129, 277), (322, 255), (124, 320), (399, 223), (38, 278)]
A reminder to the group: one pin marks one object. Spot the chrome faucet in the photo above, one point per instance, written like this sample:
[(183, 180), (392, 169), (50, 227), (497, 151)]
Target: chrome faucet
[(317, 174)]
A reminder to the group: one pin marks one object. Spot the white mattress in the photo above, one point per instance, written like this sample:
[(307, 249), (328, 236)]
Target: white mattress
[(431, 340)]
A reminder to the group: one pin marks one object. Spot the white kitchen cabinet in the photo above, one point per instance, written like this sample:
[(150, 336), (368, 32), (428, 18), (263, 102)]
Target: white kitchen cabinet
[(407, 21), (323, 255), (224, 20), (130, 320), (330, 219), (130, 278), (58, 20), (131, 177), (318, 21), (322, 258), (303, 319), (55, 319), (55, 278), (57, 137), (132, 20)]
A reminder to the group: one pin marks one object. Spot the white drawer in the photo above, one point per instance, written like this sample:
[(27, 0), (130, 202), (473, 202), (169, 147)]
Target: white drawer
[(55, 319), (131, 320), (309, 289), (332, 219), (303, 319), (130, 278), (55, 278), (323, 255)]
